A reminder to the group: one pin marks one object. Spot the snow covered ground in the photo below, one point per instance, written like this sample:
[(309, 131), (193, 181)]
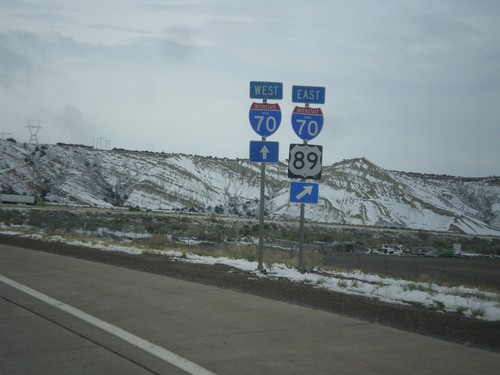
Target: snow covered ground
[(470, 302), (353, 192)]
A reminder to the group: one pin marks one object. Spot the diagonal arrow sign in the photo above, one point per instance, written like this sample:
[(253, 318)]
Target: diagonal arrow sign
[(264, 151), (303, 192), (306, 191)]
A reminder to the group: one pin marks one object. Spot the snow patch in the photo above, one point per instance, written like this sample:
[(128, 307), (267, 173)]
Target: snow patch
[(470, 302)]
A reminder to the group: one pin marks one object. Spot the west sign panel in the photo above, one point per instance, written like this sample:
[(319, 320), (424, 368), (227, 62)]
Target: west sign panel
[(266, 90)]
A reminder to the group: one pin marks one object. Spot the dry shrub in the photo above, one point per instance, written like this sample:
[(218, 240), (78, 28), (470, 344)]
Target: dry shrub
[(157, 241)]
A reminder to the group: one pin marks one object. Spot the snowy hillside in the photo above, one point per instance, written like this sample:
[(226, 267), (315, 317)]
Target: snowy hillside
[(351, 192)]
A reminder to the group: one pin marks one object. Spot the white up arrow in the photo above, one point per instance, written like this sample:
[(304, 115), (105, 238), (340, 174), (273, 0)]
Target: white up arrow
[(264, 151), (307, 191)]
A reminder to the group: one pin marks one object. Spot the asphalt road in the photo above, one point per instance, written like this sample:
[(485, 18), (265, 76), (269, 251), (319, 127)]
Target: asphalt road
[(61, 315)]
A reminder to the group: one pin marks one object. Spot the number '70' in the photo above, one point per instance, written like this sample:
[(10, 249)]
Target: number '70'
[(312, 127), (270, 123)]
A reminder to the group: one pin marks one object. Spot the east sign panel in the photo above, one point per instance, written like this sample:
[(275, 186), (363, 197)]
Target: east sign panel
[(308, 94)]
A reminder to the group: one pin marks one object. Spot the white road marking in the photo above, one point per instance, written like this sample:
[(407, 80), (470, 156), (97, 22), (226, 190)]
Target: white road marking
[(172, 358)]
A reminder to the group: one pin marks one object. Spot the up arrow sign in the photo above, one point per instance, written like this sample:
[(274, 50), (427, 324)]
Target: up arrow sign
[(304, 192), (264, 152)]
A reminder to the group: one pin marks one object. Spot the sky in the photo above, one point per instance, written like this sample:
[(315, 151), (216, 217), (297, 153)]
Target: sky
[(410, 85)]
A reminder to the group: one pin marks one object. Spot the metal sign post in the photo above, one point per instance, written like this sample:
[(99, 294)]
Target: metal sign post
[(305, 161), (260, 267), (301, 237), (265, 119), (301, 231)]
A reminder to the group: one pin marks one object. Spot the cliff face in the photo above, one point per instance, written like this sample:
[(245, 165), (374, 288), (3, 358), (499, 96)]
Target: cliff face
[(351, 192)]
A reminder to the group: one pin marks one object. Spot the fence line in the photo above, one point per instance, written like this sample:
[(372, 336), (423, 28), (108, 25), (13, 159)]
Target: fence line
[(404, 268)]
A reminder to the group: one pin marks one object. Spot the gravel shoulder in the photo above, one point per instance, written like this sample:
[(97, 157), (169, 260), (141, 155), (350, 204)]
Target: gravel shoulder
[(445, 326)]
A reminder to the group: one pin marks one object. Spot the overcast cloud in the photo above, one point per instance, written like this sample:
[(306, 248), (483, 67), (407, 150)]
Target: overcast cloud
[(410, 85)]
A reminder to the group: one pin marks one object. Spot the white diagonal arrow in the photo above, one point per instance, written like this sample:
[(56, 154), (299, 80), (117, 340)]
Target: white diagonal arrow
[(307, 191), (264, 151)]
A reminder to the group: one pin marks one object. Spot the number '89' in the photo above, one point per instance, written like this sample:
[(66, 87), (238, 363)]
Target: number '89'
[(300, 159)]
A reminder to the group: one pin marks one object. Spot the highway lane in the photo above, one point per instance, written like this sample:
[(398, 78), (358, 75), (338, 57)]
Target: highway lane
[(33, 342), (220, 330)]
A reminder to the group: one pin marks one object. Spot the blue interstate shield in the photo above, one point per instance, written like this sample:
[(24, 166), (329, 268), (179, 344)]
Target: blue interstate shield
[(265, 118), (307, 122)]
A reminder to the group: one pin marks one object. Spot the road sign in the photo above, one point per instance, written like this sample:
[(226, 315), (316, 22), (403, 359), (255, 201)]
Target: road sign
[(307, 122), (305, 161), (265, 118), (304, 192), (308, 94), (264, 152), (266, 90)]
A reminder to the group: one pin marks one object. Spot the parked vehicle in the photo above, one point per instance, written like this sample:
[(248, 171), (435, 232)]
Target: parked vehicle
[(445, 252), (15, 198), (427, 252), (431, 253)]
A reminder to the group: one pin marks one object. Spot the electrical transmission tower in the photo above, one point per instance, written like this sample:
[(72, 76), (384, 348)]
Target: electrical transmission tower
[(98, 143), (33, 129)]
